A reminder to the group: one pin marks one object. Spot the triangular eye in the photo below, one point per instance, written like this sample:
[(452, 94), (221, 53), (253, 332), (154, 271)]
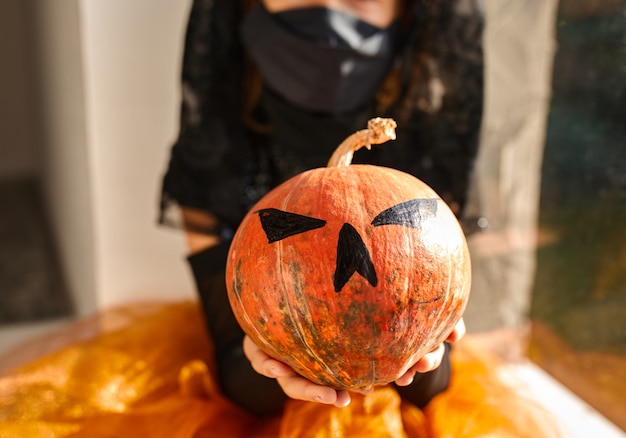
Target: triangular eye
[(409, 214), (279, 224)]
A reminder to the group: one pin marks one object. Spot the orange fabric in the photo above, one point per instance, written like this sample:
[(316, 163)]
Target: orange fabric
[(146, 371)]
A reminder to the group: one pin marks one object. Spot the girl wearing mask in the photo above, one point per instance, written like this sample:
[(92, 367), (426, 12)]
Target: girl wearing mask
[(269, 89)]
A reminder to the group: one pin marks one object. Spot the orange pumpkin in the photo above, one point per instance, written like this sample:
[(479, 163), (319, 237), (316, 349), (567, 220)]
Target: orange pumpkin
[(349, 273)]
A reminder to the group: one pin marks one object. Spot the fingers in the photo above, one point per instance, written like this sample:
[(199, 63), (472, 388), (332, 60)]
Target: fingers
[(262, 363), (299, 388), (343, 399), (457, 333), (407, 378), (429, 362)]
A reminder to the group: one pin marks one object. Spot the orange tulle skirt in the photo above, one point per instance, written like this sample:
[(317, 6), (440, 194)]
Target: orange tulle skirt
[(145, 370)]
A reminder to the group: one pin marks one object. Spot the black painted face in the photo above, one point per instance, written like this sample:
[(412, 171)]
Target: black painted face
[(352, 254)]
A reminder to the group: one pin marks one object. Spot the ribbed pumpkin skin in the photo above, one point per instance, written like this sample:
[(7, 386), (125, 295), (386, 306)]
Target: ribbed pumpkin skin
[(283, 296)]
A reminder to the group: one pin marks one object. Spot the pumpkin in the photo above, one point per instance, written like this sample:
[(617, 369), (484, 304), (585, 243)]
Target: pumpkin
[(349, 273)]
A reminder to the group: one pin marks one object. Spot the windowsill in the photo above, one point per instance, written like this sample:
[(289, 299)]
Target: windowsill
[(576, 418)]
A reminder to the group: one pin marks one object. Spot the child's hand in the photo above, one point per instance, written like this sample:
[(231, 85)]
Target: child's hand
[(294, 385)]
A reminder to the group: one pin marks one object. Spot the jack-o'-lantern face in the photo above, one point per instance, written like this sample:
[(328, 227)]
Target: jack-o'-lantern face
[(339, 270), (353, 255)]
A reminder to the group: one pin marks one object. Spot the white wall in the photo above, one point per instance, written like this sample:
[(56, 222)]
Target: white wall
[(110, 74), (133, 53), (62, 131)]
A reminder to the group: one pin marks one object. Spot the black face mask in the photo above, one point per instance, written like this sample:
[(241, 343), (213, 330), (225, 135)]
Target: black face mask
[(319, 59)]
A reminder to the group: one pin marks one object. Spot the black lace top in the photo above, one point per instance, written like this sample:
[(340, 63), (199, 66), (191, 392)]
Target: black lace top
[(222, 165)]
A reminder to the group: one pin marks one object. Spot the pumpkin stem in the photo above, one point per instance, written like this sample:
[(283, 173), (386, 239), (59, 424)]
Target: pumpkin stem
[(378, 131)]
